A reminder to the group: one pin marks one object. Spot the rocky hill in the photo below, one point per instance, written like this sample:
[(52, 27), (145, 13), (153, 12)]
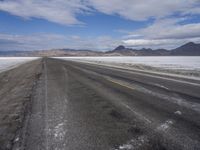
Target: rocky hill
[(189, 49)]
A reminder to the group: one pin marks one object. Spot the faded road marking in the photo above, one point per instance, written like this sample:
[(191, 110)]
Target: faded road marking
[(46, 109), (138, 114)]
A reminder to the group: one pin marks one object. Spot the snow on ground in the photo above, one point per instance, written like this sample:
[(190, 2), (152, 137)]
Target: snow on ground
[(169, 62), (180, 65), (11, 62)]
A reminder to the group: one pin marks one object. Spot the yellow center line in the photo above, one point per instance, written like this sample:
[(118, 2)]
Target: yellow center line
[(126, 105), (121, 84)]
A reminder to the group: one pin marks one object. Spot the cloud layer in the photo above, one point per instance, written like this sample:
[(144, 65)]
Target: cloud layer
[(58, 11), (30, 42), (66, 11), (143, 9), (169, 27), (55, 41), (164, 33)]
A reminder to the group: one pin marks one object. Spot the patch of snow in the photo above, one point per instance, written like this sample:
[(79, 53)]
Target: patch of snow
[(166, 125), (167, 62), (17, 139), (11, 62), (135, 143), (59, 131), (178, 112), (126, 146), (180, 66)]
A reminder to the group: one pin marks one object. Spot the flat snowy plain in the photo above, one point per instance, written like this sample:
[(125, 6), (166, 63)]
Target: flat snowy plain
[(171, 62), (11, 62), (188, 66), (185, 65)]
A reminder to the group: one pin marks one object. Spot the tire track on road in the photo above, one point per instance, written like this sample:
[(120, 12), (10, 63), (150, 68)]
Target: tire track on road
[(46, 108)]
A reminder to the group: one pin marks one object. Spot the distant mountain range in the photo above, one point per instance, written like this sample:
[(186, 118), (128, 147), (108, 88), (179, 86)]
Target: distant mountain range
[(188, 49)]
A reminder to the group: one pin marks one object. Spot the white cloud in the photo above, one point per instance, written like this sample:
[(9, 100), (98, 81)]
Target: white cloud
[(164, 33), (55, 41), (93, 43), (66, 11), (58, 11), (158, 43), (143, 9), (170, 29), (30, 42)]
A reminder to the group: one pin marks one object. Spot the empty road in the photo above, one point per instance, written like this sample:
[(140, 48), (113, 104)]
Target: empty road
[(82, 106)]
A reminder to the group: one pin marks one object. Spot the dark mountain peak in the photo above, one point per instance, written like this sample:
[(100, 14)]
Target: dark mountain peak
[(146, 49), (188, 49), (189, 44), (121, 47)]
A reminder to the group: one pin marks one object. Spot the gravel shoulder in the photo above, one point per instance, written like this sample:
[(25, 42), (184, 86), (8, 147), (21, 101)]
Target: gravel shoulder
[(16, 86)]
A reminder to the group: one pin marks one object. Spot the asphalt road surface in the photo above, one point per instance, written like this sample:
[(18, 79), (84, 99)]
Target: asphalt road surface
[(82, 106)]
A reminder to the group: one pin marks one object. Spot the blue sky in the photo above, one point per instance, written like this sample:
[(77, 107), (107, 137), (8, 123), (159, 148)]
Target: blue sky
[(97, 24)]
